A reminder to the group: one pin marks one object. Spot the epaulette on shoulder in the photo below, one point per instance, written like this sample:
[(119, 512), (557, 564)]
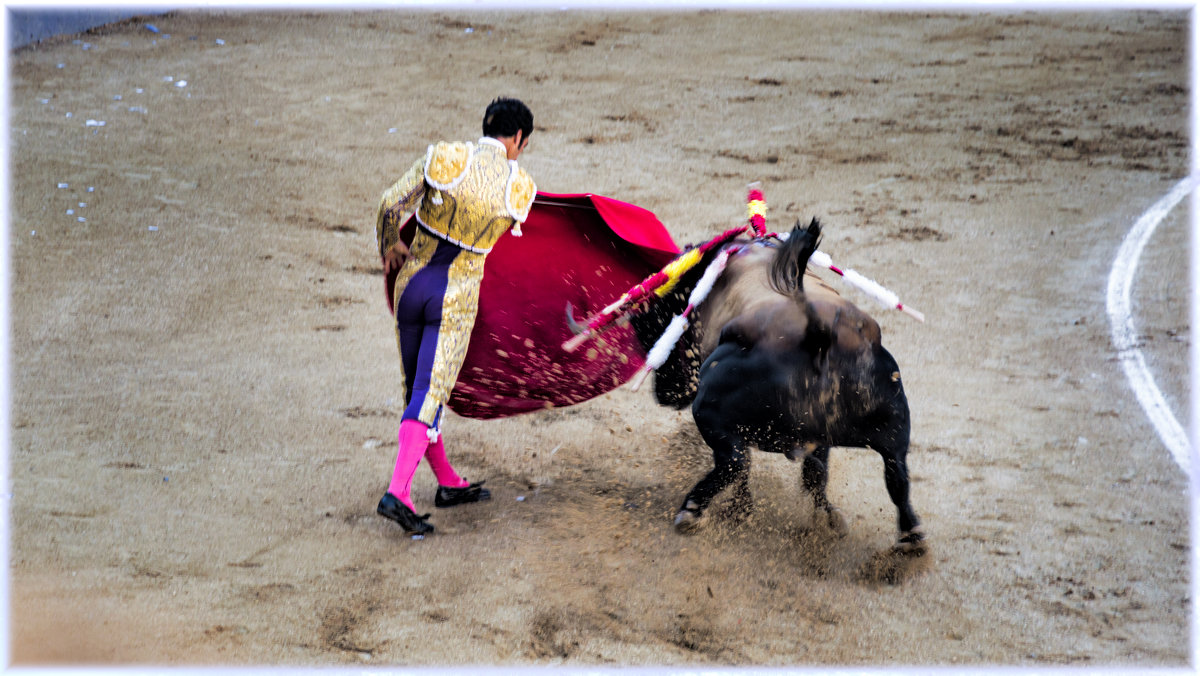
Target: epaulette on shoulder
[(447, 164), (521, 191)]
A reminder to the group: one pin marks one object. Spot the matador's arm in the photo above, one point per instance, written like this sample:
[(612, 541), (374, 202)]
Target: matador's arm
[(397, 200)]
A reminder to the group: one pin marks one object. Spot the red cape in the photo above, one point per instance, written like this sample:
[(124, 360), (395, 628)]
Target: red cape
[(583, 249)]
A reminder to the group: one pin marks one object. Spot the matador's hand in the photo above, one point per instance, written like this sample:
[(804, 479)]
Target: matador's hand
[(394, 257)]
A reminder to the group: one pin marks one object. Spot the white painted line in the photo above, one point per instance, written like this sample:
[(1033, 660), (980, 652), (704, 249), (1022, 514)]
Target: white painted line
[(1124, 335)]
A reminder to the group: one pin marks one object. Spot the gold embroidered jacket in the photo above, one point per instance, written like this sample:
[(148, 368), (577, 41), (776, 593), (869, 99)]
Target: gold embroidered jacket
[(466, 193)]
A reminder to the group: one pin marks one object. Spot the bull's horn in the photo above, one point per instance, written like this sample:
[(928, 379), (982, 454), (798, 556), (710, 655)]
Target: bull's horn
[(580, 333), (576, 329)]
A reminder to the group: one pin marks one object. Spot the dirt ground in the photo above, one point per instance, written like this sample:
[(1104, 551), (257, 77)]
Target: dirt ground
[(204, 383)]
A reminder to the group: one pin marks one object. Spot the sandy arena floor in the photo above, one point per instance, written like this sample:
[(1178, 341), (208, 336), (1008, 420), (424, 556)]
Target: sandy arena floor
[(204, 380)]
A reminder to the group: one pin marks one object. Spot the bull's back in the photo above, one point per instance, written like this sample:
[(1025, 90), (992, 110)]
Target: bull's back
[(742, 292), (743, 299)]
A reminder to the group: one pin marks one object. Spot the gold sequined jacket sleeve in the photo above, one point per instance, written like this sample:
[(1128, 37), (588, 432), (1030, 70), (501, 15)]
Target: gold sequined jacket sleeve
[(399, 199)]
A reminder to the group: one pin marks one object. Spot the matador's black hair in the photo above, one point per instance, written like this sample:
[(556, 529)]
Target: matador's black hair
[(505, 117)]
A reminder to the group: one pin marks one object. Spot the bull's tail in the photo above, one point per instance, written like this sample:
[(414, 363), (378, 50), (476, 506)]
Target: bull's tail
[(787, 272)]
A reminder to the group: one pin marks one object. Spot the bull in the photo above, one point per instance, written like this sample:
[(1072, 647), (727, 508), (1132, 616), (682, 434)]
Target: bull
[(776, 359)]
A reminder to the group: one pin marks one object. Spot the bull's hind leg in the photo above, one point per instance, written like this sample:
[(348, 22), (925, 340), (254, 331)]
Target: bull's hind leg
[(816, 477), (895, 475), (909, 556), (890, 440), (888, 435)]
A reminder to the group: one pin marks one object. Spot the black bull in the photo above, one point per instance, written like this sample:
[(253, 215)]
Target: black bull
[(775, 359)]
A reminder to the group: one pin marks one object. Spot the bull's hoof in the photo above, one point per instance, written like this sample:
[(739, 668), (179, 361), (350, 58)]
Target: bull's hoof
[(912, 550), (689, 521), (911, 543), (837, 521)]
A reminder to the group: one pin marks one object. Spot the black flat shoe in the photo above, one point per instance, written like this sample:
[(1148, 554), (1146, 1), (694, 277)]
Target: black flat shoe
[(449, 497), (390, 507)]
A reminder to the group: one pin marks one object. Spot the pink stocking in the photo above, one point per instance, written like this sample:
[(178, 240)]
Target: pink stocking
[(412, 440), (440, 464)]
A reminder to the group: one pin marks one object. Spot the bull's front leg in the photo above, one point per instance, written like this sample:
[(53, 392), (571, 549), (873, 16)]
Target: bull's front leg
[(731, 465), (720, 412)]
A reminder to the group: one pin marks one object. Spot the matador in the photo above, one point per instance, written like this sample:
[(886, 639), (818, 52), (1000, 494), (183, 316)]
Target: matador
[(465, 197)]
